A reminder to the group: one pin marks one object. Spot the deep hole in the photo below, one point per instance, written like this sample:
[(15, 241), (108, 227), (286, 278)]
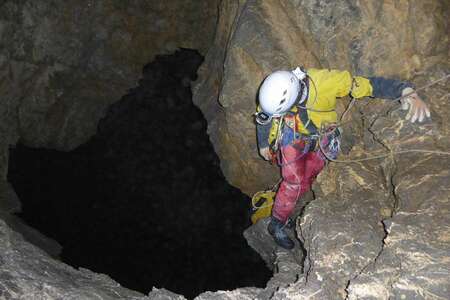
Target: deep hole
[(144, 201)]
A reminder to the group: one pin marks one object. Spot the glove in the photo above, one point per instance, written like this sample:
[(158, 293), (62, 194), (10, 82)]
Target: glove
[(265, 153), (417, 109)]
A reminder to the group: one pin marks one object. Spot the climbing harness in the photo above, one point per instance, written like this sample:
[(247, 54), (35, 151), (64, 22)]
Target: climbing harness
[(327, 139), (329, 142)]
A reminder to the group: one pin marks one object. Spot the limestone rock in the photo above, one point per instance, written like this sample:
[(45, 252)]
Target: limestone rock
[(376, 229), (256, 37), (413, 263), (63, 63), (380, 229), (242, 293), (28, 272), (163, 294)]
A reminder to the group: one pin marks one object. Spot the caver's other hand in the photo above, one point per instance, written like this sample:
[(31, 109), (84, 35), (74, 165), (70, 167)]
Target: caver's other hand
[(417, 109), (265, 153)]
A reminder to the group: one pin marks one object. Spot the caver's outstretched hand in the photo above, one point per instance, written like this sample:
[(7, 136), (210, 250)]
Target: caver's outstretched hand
[(417, 109)]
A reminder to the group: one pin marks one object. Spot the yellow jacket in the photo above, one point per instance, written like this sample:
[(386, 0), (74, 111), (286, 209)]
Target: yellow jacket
[(325, 86)]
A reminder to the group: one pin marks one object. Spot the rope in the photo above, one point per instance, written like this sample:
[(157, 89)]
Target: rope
[(315, 100), (391, 153)]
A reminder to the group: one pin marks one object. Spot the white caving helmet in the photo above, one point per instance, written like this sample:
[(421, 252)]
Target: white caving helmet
[(279, 92)]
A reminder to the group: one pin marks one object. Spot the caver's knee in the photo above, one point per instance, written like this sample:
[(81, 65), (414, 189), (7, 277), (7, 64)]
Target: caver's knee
[(293, 180)]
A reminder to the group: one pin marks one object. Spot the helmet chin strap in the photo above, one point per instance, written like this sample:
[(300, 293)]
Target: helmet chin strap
[(301, 76), (303, 93)]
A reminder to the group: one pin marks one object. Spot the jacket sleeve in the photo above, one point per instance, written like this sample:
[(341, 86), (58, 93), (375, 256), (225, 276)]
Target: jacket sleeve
[(358, 87), (262, 134), (339, 83), (386, 88)]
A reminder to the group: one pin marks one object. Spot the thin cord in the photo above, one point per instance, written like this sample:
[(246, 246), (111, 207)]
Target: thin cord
[(340, 124), (350, 105), (315, 99), (423, 87), (392, 152)]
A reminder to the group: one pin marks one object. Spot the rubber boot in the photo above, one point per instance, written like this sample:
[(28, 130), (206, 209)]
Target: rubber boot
[(276, 229)]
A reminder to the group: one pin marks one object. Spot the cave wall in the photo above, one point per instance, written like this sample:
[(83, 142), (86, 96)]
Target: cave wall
[(387, 38), (380, 229), (63, 62), (377, 229)]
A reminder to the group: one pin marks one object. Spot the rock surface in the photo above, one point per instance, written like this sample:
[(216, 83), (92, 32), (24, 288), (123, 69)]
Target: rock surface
[(26, 272), (380, 229), (377, 229), (255, 37), (169, 206), (63, 63), (414, 261)]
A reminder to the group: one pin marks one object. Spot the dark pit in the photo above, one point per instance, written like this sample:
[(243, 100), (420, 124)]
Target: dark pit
[(144, 200)]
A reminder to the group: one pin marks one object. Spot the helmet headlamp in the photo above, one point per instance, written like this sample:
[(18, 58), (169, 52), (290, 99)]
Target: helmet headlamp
[(262, 118)]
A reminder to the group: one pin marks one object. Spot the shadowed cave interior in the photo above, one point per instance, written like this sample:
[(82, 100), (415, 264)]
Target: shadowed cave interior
[(144, 200)]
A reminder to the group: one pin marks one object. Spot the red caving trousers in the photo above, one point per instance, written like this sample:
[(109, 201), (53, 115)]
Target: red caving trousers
[(298, 171)]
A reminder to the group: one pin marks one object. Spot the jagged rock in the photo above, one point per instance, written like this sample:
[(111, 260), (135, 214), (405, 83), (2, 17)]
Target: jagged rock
[(262, 242), (413, 263), (380, 229), (28, 272), (163, 294), (356, 210), (9, 205), (242, 293)]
